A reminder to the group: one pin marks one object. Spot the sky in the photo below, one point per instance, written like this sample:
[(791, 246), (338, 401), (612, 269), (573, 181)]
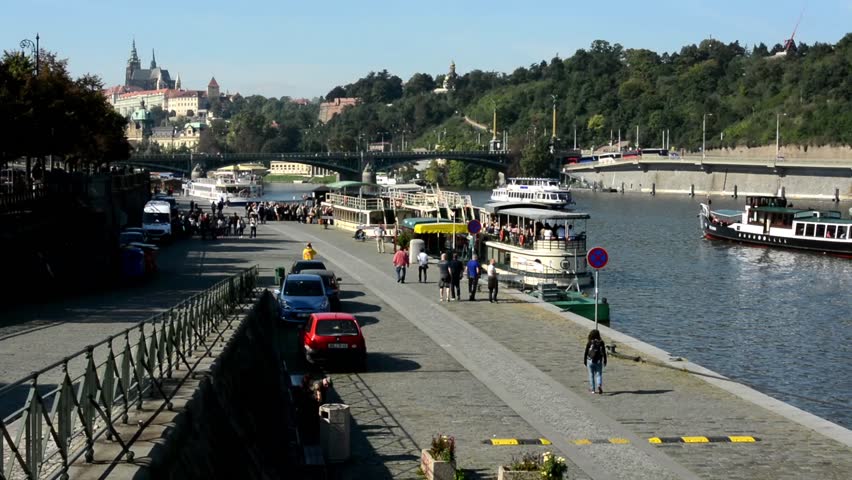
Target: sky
[(304, 49)]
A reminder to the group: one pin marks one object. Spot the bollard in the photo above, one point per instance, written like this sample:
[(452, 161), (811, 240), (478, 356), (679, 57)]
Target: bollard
[(836, 195), (692, 190), (735, 191), (622, 187), (653, 189)]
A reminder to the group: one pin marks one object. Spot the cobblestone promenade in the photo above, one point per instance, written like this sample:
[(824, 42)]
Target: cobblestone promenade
[(477, 371)]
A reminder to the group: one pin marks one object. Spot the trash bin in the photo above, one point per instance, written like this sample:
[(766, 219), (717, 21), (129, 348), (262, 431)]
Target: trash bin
[(280, 273), (334, 431)]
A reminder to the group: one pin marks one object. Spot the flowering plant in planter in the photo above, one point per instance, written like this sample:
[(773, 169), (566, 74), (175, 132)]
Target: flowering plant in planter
[(443, 448), (546, 466), (552, 467)]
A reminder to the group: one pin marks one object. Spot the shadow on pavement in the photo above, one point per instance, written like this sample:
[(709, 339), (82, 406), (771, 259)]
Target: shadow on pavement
[(638, 392), (358, 307)]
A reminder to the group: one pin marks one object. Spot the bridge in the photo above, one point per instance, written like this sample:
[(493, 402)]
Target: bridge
[(348, 164)]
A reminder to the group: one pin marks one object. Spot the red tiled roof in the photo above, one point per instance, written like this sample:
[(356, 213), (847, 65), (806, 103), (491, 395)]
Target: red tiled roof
[(213, 82)]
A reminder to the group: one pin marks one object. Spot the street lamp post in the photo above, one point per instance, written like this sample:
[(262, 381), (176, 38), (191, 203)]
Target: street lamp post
[(704, 135), (28, 44)]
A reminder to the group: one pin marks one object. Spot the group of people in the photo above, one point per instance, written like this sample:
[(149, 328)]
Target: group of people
[(302, 212), (512, 233), (450, 272)]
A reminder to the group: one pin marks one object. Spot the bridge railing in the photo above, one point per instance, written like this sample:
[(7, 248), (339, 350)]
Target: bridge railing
[(52, 417)]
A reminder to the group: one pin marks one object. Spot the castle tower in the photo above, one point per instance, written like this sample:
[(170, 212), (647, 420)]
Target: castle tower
[(213, 89), (133, 64), (153, 60)]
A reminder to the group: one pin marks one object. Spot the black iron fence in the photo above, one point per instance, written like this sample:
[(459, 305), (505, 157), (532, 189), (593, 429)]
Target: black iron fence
[(52, 417)]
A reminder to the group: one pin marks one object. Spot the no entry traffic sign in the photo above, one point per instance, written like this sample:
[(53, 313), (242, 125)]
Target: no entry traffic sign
[(474, 226), (597, 258)]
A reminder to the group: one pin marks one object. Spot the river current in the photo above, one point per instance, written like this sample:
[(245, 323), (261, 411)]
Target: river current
[(779, 321)]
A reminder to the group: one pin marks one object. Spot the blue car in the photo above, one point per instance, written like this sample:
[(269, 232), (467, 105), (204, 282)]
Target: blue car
[(300, 296)]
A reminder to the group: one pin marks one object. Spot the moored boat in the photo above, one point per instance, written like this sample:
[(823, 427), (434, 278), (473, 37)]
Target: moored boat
[(770, 221), (545, 191), (536, 244), (229, 186)]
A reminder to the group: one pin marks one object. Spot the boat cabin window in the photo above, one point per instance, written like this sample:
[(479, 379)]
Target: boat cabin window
[(843, 231), (809, 229), (800, 229), (820, 231), (831, 231)]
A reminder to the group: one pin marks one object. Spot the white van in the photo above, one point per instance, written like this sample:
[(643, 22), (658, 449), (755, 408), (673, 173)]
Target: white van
[(157, 220)]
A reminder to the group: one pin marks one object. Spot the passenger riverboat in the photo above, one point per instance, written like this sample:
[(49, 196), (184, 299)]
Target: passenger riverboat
[(533, 190), (232, 187), (771, 221), (536, 243)]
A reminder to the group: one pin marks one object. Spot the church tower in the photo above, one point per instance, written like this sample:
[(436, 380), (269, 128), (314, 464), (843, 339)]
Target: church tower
[(133, 64), (153, 60), (177, 83), (213, 89)]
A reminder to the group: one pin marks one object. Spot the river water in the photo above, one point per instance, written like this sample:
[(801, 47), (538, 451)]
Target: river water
[(779, 321)]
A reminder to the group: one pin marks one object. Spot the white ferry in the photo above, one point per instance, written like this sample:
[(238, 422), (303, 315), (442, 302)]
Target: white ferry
[(233, 188), (533, 190), (772, 222), (536, 243)]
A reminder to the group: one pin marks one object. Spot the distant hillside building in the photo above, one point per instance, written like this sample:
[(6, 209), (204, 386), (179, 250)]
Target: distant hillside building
[(152, 78), (329, 109), (292, 168)]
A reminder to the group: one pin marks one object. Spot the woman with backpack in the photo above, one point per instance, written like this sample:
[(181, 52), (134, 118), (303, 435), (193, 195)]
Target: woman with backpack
[(594, 357)]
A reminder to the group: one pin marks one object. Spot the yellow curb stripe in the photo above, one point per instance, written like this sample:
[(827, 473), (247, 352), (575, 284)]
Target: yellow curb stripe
[(742, 439), (544, 441), (582, 441), (655, 440), (624, 441), (695, 440), (504, 441), (619, 441)]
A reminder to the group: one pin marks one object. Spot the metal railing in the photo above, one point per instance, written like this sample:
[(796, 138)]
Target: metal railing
[(56, 417), (358, 203)]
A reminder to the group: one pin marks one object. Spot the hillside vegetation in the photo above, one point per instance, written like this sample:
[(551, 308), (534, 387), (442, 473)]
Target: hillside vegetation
[(599, 91)]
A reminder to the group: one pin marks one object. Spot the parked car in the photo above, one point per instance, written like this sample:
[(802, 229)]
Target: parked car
[(300, 296), (334, 336), (332, 288), (300, 265)]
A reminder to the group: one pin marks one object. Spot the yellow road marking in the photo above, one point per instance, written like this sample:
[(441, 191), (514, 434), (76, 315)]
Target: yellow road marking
[(655, 440), (504, 441), (619, 441), (544, 441), (741, 439), (582, 441), (695, 440)]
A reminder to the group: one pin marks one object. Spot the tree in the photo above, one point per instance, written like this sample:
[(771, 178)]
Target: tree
[(536, 159), (336, 92), (419, 83)]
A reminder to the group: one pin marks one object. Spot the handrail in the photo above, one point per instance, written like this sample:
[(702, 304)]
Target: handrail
[(52, 428)]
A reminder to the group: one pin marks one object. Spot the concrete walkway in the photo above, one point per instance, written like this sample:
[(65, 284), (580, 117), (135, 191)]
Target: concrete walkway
[(473, 370), (530, 357)]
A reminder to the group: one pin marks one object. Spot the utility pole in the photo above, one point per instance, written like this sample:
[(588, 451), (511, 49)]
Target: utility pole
[(575, 136), (637, 137), (704, 135)]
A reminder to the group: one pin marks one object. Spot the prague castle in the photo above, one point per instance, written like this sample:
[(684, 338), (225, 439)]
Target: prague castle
[(153, 78)]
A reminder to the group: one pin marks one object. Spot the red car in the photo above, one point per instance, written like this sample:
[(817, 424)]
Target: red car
[(334, 336)]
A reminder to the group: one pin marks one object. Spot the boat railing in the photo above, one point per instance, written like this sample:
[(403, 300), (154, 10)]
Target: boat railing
[(577, 243), (358, 203)]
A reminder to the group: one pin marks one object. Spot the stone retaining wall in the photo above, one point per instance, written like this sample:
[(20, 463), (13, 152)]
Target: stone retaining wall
[(238, 422)]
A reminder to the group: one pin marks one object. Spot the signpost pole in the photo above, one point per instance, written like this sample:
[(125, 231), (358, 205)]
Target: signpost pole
[(596, 298)]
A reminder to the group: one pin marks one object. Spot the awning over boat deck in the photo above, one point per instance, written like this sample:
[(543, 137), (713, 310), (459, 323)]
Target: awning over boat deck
[(349, 184), (495, 207), (445, 227), (727, 213), (538, 214), (414, 221)]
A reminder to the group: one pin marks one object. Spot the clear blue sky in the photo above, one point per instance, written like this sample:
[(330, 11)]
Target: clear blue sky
[(305, 48)]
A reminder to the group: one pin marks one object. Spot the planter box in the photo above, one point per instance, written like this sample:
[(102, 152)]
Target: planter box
[(503, 474), (436, 469)]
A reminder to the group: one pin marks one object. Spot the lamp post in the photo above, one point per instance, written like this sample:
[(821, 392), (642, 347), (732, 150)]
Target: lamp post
[(28, 44), (704, 135), (778, 134), (553, 132)]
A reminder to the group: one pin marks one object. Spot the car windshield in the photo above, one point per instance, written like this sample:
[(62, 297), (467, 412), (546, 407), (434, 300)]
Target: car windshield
[(303, 288), (336, 327), (155, 218)]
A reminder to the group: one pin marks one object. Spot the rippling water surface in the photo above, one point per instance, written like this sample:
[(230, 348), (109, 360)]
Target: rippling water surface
[(780, 321)]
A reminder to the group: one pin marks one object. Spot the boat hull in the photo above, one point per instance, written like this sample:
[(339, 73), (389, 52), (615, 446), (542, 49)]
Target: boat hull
[(716, 231)]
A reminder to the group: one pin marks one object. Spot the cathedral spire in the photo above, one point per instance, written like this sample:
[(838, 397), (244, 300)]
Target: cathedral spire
[(134, 57), (177, 82), (153, 60)]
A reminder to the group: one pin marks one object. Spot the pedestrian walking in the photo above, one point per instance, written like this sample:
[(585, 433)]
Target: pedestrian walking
[(242, 226), (473, 268), (422, 266), (379, 232), (253, 227), (309, 253), (456, 272), (445, 274), (492, 281), (400, 262), (594, 358)]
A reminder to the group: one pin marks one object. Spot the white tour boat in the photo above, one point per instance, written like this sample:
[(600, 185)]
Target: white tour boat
[(233, 188), (536, 243), (533, 190)]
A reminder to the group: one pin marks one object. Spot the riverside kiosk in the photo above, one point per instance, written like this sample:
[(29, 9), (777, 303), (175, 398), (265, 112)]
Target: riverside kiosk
[(597, 258)]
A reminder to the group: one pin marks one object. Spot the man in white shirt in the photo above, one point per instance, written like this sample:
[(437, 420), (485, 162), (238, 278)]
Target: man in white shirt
[(379, 232), (423, 265), (492, 281)]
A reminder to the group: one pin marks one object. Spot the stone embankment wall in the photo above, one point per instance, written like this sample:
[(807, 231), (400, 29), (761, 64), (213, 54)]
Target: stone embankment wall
[(720, 183), (799, 152), (238, 423)]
